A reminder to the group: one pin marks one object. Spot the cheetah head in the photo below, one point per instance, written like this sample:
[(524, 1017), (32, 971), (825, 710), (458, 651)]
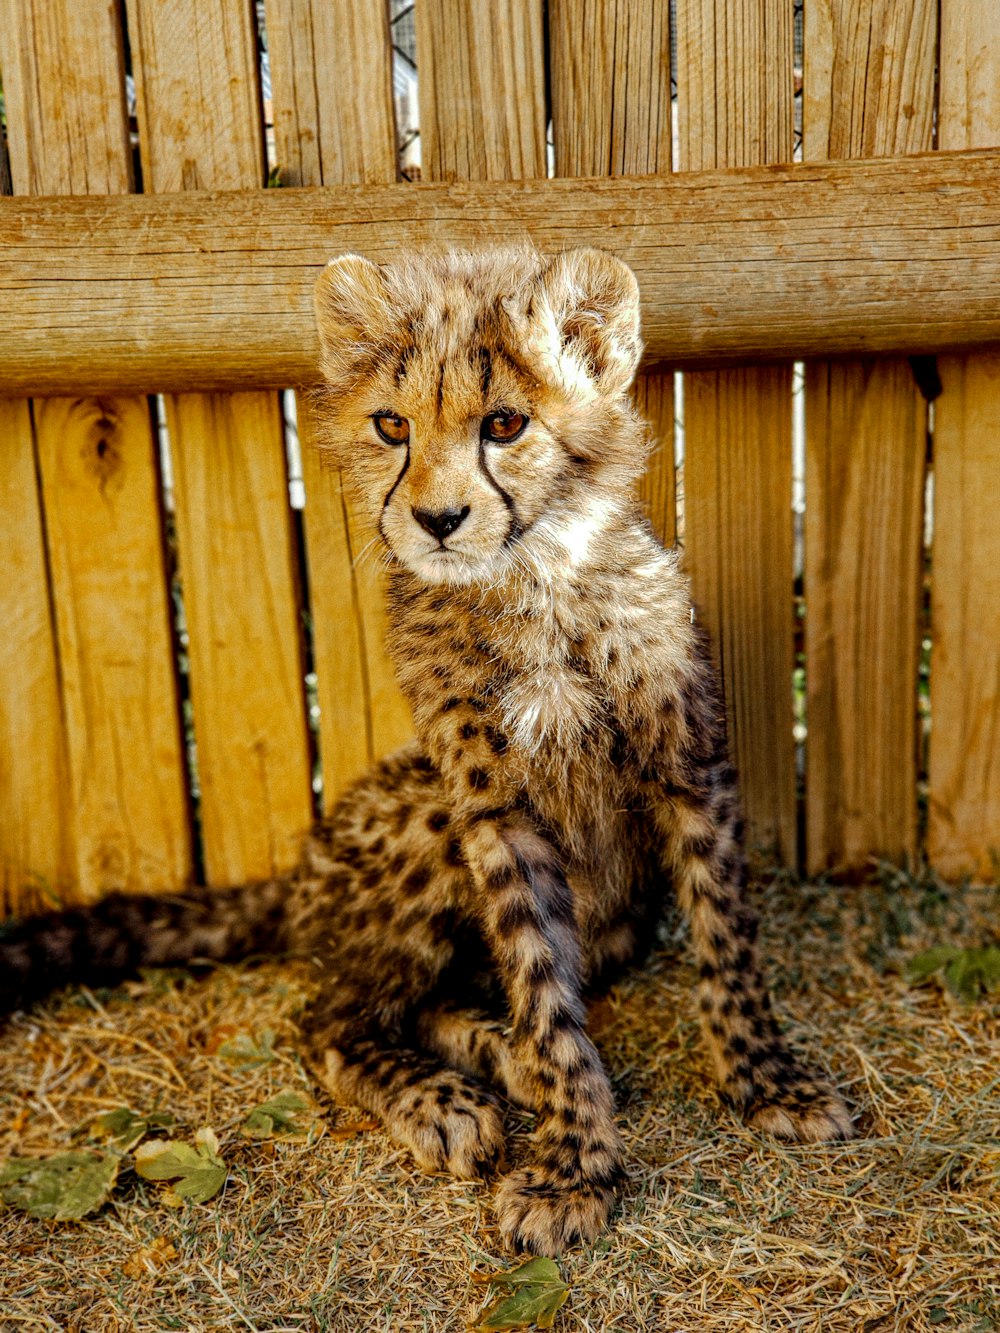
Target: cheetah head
[(478, 404)]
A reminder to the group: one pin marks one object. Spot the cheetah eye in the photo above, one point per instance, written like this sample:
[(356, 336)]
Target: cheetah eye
[(393, 429), (502, 427)]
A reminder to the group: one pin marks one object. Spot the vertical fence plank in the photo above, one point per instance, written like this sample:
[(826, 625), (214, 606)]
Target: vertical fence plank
[(735, 108), (964, 817), (481, 83), (610, 71), (35, 853), (123, 785), (331, 81), (200, 127), (869, 89)]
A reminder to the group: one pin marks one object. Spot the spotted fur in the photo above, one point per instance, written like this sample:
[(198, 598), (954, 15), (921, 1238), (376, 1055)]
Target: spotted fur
[(570, 767)]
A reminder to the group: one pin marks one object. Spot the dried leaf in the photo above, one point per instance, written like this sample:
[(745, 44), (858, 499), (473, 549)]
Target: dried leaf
[(246, 1050), (199, 1172), (535, 1292), (353, 1127), (149, 1259), (63, 1188), (125, 1129), (281, 1118)]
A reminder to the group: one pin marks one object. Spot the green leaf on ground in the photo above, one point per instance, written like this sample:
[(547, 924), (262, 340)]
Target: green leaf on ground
[(247, 1050), (968, 973), (287, 1116), (535, 1291), (199, 1172), (124, 1129), (63, 1188)]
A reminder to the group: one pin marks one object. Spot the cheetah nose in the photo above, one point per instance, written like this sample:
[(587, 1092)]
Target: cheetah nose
[(440, 523)]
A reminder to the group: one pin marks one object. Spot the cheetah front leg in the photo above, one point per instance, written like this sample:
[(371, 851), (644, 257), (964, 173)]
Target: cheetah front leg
[(449, 1121), (566, 1195), (694, 804)]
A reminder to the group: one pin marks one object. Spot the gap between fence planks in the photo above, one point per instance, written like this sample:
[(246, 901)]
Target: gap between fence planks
[(735, 109), (964, 797), (333, 117), (200, 126), (94, 789), (209, 290), (869, 87), (611, 115)]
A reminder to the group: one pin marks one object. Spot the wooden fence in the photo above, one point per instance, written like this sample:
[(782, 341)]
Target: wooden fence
[(167, 638)]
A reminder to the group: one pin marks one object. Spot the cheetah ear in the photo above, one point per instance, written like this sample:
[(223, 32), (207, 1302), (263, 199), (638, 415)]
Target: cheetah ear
[(353, 313), (593, 302)]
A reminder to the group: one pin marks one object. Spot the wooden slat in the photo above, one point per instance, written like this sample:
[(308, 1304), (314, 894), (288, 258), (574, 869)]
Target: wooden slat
[(331, 91), (35, 851), (67, 130), (331, 78), (481, 83), (735, 108), (124, 791), (964, 822), (610, 70), (869, 87), (200, 126), (210, 290), (110, 597)]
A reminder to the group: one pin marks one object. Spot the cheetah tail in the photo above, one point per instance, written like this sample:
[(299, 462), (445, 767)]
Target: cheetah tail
[(102, 943)]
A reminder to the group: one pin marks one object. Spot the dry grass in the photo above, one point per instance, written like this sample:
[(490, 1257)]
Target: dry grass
[(719, 1230)]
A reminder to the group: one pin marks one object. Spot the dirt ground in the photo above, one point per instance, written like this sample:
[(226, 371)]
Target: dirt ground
[(719, 1228)]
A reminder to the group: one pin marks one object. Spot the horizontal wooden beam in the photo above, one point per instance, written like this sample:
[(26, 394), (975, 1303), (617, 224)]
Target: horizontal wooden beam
[(204, 291)]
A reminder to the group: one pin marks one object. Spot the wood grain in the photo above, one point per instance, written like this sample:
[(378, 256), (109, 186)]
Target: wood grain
[(67, 130), (331, 79), (36, 852), (126, 783), (481, 83), (869, 87), (209, 290), (735, 108), (124, 797), (331, 91), (964, 816), (200, 125), (610, 72)]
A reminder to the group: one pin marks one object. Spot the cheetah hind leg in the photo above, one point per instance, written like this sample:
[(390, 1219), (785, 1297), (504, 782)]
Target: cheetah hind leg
[(449, 1121)]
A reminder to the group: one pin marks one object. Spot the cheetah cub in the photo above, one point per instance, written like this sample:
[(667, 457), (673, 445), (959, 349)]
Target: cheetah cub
[(570, 768)]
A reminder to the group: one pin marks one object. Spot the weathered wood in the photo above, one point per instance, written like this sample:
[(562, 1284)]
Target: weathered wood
[(197, 94), (200, 125), (869, 87), (331, 91), (735, 108), (67, 129), (240, 602), (109, 591), (653, 394), (610, 70), (964, 817), (36, 854), (481, 84), (331, 81), (123, 787), (206, 290), (862, 611)]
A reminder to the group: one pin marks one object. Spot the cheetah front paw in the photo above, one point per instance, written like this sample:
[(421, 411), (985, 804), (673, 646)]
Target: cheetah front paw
[(808, 1111), (544, 1214), (450, 1124)]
